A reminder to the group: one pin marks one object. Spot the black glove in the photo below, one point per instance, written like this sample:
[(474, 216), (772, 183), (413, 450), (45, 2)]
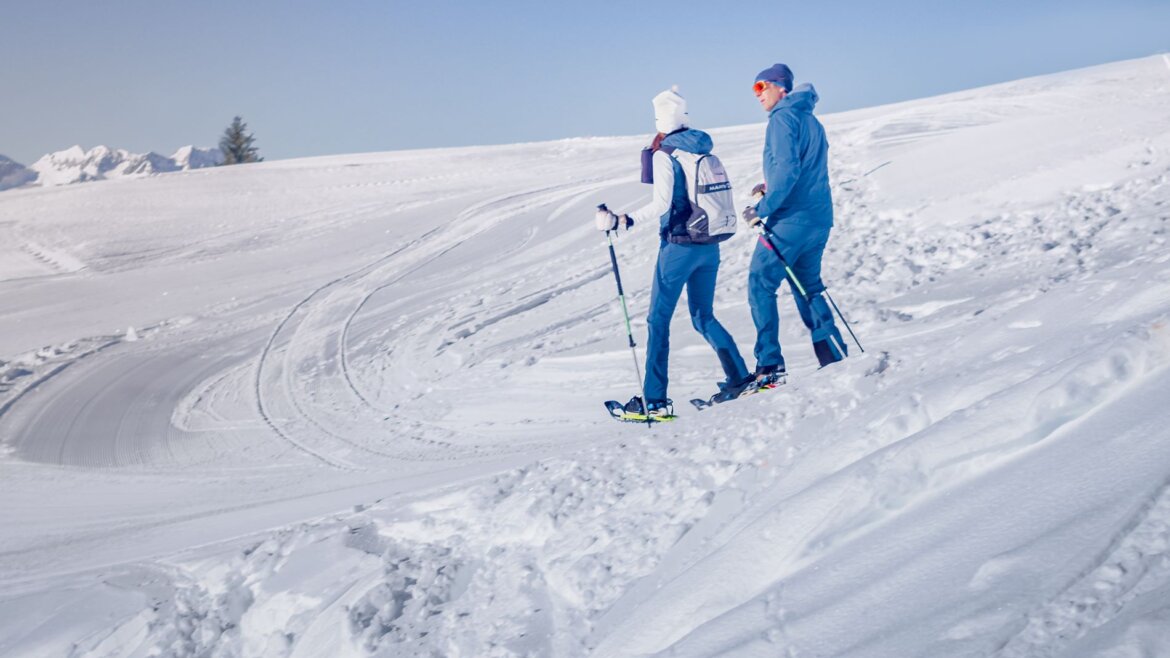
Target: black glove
[(750, 217), (759, 191)]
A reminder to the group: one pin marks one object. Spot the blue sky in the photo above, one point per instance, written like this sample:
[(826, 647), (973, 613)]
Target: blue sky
[(357, 76)]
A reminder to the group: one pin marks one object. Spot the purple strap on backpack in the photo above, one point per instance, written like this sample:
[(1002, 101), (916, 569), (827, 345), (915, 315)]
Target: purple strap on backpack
[(648, 165)]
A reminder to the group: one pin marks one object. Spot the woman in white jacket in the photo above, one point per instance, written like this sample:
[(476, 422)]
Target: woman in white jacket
[(681, 263)]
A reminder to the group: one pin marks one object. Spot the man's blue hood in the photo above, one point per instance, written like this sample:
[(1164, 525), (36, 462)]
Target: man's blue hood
[(689, 140), (803, 98)]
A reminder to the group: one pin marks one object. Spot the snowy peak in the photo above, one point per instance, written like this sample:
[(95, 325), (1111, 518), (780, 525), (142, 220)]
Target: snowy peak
[(76, 165), (73, 153), (193, 157), (151, 163), (14, 174), (73, 165)]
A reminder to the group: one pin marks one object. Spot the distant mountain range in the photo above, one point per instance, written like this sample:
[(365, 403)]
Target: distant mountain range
[(74, 165)]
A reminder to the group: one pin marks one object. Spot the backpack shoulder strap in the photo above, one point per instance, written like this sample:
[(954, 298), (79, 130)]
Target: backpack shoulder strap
[(669, 151), (698, 164)]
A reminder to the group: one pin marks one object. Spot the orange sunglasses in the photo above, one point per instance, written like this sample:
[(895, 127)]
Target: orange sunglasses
[(760, 86)]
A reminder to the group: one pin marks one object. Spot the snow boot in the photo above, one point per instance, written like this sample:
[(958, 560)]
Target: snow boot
[(655, 409), (829, 351), (728, 391), (770, 376)]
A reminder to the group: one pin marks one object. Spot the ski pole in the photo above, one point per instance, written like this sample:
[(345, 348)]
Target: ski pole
[(768, 235), (844, 321), (626, 314)]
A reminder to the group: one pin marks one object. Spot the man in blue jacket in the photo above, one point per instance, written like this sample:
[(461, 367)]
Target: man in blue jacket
[(796, 211)]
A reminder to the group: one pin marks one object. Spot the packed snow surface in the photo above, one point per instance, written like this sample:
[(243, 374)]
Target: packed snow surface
[(351, 406)]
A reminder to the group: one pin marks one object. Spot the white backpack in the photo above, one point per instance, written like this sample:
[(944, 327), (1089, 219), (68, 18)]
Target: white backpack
[(709, 191)]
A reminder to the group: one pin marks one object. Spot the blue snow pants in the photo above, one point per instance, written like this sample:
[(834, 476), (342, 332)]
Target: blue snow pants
[(695, 267), (802, 247)]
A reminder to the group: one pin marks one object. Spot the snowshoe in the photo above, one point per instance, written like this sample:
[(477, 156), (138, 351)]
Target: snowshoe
[(728, 392), (634, 412)]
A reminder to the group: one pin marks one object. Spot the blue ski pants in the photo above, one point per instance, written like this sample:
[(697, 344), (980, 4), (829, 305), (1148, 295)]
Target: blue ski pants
[(694, 267), (802, 247)]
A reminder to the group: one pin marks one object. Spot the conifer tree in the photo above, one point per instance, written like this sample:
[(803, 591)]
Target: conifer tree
[(236, 144)]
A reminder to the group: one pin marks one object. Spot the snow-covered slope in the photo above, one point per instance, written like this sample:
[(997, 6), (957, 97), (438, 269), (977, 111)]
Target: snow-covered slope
[(350, 406)]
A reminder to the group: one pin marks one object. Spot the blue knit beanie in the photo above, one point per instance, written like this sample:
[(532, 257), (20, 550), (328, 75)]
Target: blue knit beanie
[(778, 74)]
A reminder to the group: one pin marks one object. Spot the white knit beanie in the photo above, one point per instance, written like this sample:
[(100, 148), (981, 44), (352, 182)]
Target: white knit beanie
[(670, 111)]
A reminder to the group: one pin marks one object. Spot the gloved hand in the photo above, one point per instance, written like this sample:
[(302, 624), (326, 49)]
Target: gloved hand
[(750, 217), (607, 220), (758, 191)]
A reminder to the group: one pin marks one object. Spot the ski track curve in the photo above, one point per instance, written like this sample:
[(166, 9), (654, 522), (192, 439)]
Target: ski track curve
[(309, 339), (265, 353)]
